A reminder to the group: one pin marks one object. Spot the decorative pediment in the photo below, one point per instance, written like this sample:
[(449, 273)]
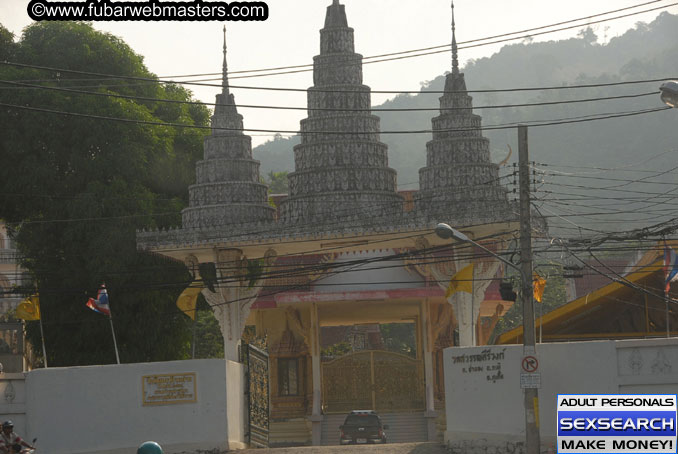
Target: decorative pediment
[(288, 346)]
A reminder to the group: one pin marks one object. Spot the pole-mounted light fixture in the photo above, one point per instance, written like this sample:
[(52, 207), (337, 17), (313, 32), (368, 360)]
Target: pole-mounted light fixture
[(669, 93)]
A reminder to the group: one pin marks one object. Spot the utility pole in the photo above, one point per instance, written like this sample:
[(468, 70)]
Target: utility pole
[(531, 394)]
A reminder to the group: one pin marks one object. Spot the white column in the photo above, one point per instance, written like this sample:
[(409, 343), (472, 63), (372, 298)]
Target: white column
[(316, 416), (466, 311), (234, 297), (467, 306), (427, 355), (430, 414)]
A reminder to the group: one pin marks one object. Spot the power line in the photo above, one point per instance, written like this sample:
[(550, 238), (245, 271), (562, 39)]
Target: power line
[(350, 265), (323, 90), (589, 188), (472, 43), (531, 35), (297, 269), (627, 181), (462, 253), (320, 109), (444, 46), (337, 214), (626, 168), (535, 123)]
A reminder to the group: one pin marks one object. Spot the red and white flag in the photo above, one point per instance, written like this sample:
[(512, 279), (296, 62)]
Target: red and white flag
[(101, 303)]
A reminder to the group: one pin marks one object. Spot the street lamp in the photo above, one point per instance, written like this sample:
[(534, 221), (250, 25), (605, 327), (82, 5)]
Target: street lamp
[(446, 232), (670, 93), (531, 396)]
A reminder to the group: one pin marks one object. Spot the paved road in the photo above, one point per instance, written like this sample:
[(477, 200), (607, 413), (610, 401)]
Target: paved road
[(390, 448)]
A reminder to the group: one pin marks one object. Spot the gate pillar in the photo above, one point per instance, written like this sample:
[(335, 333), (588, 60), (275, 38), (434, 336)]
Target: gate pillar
[(316, 415), (427, 344)]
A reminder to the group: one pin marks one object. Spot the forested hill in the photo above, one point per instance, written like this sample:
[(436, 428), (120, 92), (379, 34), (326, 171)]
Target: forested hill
[(647, 51)]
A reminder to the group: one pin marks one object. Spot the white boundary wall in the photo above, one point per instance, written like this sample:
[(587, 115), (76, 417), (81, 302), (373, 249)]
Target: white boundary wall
[(13, 400), (98, 409), (484, 401)]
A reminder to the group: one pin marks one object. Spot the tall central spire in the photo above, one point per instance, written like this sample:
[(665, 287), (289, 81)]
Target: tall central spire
[(224, 69), (455, 61), (341, 166)]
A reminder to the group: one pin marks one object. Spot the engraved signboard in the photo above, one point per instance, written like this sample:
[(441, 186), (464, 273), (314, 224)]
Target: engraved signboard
[(168, 389)]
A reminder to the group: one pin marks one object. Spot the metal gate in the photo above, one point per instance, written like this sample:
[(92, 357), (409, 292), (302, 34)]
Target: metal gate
[(376, 380), (257, 391)]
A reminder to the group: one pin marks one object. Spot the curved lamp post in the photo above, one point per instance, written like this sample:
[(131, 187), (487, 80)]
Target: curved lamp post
[(669, 93), (532, 436), (446, 232)]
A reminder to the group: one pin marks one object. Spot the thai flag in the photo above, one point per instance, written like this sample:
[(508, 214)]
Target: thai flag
[(670, 267), (101, 303)]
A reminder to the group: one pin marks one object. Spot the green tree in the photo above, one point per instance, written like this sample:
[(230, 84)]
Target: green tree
[(336, 350), (277, 182), (76, 188), (7, 46), (399, 337)]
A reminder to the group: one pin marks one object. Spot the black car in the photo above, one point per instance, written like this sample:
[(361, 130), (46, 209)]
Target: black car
[(362, 426)]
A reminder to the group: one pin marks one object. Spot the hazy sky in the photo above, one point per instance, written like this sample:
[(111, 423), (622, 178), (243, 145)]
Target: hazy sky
[(290, 37)]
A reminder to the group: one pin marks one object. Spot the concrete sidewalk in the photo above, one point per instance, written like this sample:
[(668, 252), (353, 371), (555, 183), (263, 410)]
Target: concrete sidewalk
[(393, 448)]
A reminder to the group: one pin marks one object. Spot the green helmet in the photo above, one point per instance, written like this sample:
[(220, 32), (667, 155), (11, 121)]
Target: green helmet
[(149, 447)]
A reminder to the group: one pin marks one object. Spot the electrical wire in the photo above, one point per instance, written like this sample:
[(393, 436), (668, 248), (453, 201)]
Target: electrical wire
[(535, 123), (442, 46), (499, 41), (338, 110), (325, 90)]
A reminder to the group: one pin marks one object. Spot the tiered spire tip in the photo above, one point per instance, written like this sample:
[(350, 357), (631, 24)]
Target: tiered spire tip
[(455, 60), (336, 15), (224, 70)]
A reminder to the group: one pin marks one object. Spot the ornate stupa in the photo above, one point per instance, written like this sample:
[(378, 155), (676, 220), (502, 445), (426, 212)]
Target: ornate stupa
[(227, 191), (459, 180), (341, 167)]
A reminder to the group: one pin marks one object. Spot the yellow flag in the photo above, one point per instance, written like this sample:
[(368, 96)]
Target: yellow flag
[(539, 285), (462, 281), (189, 298), (29, 309)]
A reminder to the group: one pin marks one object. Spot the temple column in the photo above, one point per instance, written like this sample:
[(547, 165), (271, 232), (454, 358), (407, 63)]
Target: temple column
[(234, 297), (466, 311), (427, 342), (466, 306), (316, 415)]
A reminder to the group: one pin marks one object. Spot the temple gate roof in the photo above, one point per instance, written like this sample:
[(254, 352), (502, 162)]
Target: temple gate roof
[(342, 186)]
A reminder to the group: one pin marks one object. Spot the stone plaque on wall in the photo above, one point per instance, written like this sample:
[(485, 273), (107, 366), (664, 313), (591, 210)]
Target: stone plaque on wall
[(168, 389)]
